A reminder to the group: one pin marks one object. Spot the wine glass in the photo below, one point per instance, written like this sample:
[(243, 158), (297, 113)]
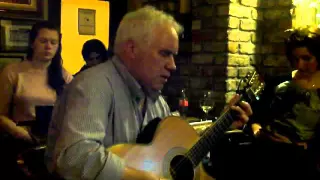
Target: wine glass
[(207, 103)]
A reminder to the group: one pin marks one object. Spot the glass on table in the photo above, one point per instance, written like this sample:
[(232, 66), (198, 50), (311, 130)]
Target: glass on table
[(207, 103)]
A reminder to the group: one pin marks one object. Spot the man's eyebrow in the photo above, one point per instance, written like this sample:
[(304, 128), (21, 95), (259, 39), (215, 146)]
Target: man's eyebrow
[(169, 51)]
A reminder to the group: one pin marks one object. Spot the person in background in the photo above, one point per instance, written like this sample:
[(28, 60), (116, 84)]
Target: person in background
[(38, 80), (287, 133), (112, 102), (93, 52)]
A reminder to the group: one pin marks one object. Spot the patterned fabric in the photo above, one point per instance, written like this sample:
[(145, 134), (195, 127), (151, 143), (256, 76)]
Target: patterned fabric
[(98, 109)]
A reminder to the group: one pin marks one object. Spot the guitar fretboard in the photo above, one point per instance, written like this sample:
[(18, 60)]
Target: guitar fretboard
[(210, 137)]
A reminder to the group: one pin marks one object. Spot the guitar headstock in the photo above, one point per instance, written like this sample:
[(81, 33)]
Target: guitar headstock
[(252, 86)]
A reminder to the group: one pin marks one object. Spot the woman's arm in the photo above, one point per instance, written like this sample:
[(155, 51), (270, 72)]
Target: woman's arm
[(6, 93)]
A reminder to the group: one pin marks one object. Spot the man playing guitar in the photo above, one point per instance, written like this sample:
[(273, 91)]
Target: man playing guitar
[(112, 102)]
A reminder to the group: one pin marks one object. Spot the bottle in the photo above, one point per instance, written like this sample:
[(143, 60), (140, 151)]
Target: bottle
[(183, 104)]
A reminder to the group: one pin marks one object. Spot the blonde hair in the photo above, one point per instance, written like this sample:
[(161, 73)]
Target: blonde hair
[(138, 25)]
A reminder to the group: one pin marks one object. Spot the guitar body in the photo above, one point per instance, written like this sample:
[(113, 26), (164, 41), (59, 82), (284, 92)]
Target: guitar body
[(172, 139)]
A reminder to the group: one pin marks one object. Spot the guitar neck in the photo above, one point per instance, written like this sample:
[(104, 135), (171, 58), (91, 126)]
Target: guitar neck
[(210, 137), (253, 86)]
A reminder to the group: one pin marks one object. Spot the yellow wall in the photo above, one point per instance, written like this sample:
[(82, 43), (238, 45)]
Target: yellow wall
[(72, 42)]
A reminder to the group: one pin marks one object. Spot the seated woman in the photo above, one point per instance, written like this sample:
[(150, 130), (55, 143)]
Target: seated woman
[(93, 52), (286, 131), (36, 81)]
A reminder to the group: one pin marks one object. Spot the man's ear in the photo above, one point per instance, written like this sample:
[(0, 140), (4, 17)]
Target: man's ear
[(130, 47)]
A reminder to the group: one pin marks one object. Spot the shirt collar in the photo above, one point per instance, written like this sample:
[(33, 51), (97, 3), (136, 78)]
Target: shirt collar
[(136, 90)]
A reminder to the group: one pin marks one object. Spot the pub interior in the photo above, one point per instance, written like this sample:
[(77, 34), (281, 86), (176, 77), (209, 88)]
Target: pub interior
[(246, 47)]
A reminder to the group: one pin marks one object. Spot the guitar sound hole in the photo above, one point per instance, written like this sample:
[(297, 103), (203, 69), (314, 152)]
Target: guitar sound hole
[(181, 168)]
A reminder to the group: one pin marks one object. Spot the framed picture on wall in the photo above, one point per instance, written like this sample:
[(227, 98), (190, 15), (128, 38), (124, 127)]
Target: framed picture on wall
[(22, 9), (8, 59), (14, 35), (86, 21)]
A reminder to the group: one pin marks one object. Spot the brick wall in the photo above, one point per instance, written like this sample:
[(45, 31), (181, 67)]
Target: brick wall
[(229, 36)]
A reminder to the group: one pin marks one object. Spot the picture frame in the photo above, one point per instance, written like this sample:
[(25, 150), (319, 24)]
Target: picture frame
[(8, 59), (22, 9), (14, 35), (87, 21)]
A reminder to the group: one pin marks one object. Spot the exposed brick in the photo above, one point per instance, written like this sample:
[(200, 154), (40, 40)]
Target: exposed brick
[(202, 58), (226, 22), (185, 46), (220, 35), (243, 71), (219, 79), (256, 37), (203, 11), (184, 70), (286, 3), (222, 1), (270, 61), (279, 48), (276, 14), (194, 70), (182, 60), (196, 25), (239, 11), (276, 61), (268, 3), (248, 48), (275, 37), (207, 11), (246, 24), (233, 35), (221, 22), (256, 15), (285, 23), (234, 9), (200, 83), (223, 10), (219, 87), (214, 47), (231, 84), (179, 81), (233, 47), (196, 3), (236, 35), (220, 59), (207, 22), (238, 60), (217, 71), (203, 35), (252, 3), (283, 61), (266, 49), (244, 36), (196, 47), (233, 22), (208, 71), (232, 71), (255, 59)]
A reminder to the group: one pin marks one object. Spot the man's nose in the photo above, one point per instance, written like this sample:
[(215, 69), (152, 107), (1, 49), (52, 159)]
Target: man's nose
[(300, 64), (171, 65), (48, 45)]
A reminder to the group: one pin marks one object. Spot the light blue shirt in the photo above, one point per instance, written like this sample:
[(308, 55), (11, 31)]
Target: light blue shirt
[(98, 109)]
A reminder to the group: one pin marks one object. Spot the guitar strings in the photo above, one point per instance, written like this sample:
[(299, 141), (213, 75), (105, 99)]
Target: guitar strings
[(208, 140), (210, 137)]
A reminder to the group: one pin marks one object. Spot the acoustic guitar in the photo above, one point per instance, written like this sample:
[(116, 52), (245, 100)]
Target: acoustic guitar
[(176, 149)]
